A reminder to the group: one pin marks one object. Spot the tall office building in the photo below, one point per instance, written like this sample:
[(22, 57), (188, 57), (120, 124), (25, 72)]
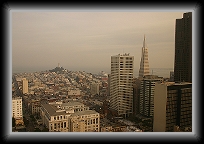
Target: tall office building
[(121, 84), (25, 85), (183, 49), (144, 63), (172, 106), (147, 94)]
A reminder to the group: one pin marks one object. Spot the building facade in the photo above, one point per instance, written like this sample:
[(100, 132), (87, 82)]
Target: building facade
[(136, 96), (121, 84), (173, 106), (85, 121), (183, 49), (147, 94), (69, 117), (94, 88), (24, 85), (144, 63), (17, 111), (17, 107)]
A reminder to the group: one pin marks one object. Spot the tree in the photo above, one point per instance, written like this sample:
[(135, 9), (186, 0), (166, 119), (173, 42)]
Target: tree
[(37, 130), (13, 122), (45, 129)]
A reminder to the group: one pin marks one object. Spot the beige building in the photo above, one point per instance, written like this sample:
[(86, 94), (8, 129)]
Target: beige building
[(94, 88), (17, 107), (85, 121), (69, 117), (35, 107), (24, 85), (121, 84), (17, 112), (172, 106)]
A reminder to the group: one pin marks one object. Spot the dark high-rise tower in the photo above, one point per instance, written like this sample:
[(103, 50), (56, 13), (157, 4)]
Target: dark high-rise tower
[(183, 49)]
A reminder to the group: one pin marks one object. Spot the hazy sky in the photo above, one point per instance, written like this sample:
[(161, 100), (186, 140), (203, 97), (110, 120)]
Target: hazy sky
[(87, 40)]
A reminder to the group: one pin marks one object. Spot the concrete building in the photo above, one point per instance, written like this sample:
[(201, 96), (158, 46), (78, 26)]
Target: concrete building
[(85, 121), (121, 84), (24, 85), (147, 94), (35, 107), (17, 107), (17, 111), (94, 88), (69, 117), (144, 63), (172, 106), (183, 49)]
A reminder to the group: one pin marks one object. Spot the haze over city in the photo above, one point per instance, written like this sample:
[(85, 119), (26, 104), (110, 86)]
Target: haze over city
[(101, 71), (85, 41)]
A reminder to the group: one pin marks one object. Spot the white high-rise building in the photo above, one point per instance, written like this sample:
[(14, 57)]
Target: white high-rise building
[(17, 107), (25, 85), (144, 63), (121, 84)]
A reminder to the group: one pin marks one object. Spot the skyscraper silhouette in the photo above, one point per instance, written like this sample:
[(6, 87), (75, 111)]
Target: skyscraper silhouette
[(183, 49), (144, 63)]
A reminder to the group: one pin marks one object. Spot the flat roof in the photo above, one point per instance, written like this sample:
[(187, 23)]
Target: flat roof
[(86, 112), (72, 103), (52, 108)]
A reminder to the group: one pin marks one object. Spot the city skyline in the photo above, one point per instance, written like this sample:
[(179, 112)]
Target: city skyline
[(87, 40)]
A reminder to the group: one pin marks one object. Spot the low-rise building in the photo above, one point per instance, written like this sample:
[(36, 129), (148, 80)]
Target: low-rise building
[(69, 117), (85, 121)]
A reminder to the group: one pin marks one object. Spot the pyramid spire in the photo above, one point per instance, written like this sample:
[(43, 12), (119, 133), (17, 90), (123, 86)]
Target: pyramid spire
[(144, 44), (144, 63)]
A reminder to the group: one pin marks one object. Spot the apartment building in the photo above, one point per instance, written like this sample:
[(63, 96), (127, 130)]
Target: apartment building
[(121, 84), (17, 111), (17, 107)]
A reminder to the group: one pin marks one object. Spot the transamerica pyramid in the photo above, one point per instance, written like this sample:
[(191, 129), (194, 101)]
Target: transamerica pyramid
[(144, 63)]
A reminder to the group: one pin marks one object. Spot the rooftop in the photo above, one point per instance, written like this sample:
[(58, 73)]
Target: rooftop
[(86, 112)]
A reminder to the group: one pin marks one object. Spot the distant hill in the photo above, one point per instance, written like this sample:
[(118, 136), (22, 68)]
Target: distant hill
[(58, 70)]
